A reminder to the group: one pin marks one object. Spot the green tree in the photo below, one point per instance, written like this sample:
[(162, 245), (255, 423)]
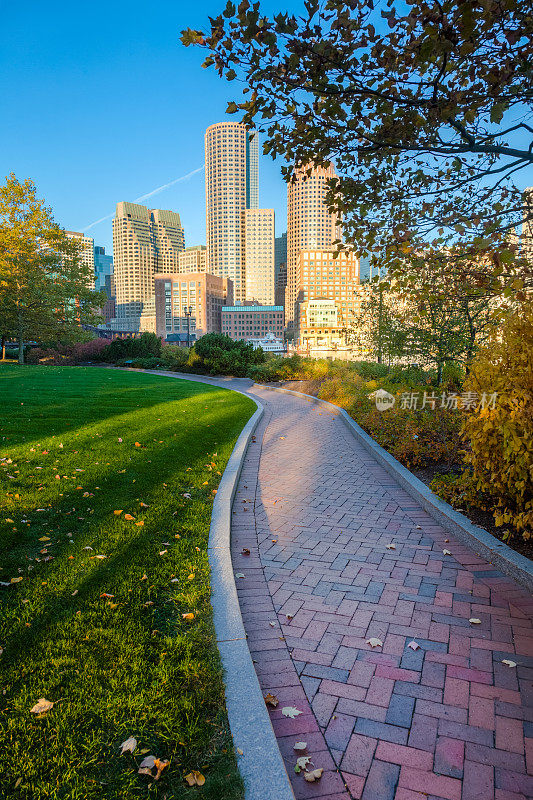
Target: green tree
[(425, 108), (46, 292)]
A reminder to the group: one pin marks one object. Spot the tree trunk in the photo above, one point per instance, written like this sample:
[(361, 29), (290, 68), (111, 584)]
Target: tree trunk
[(3, 348), (439, 373), (21, 343)]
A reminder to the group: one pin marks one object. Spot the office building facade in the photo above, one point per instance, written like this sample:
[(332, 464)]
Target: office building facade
[(252, 322), (145, 242), (199, 293), (103, 267), (309, 225), (193, 259), (259, 255), (231, 187), (325, 273)]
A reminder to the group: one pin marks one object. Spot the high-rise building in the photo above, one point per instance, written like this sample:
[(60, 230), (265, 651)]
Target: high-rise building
[(145, 241), (259, 255), (231, 187), (280, 252), (193, 259), (190, 302), (324, 273), (103, 266), (309, 224), (86, 249)]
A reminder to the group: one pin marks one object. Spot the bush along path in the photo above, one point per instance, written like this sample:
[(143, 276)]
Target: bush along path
[(111, 686), (396, 663)]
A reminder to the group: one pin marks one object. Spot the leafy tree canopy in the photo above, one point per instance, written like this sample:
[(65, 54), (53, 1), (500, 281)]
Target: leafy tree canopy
[(424, 107), (46, 291)]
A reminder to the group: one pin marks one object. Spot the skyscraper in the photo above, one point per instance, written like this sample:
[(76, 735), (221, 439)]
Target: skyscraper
[(145, 241), (86, 250), (192, 259), (231, 187), (259, 255), (309, 225), (103, 267)]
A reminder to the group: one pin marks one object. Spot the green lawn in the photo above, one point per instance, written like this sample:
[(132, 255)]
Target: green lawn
[(129, 664)]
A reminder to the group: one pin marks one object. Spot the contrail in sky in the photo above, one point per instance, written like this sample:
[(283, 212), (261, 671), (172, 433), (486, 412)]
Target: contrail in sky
[(149, 194)]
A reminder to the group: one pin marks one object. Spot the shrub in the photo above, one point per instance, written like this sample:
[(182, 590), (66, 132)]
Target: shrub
[(500, 455), (218, 354), (146, 345), (89, 351), (175, 357), (54, 356), (370, 369)]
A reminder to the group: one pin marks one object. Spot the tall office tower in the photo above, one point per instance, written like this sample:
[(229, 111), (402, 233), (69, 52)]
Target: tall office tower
[(259, 255), (280, 252), (309, 225), (145, 241), (86, 251), (231, 187), (193, 259), (281, 285), (103, 266)]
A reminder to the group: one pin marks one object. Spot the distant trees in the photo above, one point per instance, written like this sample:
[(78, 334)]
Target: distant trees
[(46, 292)]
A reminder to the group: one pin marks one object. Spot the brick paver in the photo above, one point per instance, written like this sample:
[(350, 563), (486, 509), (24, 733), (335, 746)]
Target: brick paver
[(445, 721)]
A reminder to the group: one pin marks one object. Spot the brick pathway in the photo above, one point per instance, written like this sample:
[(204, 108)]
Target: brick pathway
[(447, 721)]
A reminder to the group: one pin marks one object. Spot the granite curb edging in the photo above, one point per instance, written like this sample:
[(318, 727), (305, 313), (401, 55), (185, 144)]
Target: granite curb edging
[(483, 543)]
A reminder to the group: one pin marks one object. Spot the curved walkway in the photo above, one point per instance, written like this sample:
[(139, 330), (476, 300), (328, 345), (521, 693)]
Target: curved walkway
[(445, 720)]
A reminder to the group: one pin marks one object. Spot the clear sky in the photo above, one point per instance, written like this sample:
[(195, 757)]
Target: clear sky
[(100, 102)]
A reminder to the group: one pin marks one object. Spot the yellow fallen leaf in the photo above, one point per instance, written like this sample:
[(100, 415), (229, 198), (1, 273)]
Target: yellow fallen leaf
[(239, 751), (188, 615), (315, 775), (474, 621), (119, 511), (195, 778), (10, 520), (140, 523), (508, 662), (191, 577), (41, 706), (16, 580), (44, 538), (128, 517), (162, 552), (138, 444)]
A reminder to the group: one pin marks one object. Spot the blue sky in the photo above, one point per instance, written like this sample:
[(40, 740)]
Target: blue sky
[(99, 102)]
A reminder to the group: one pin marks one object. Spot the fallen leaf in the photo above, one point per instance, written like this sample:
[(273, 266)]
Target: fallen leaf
[(195, 778), (128, 517), (189, 615), (10, 520), (119, 511), (271, 700), (87, 548), (446, 553), (105, 594), (290, 711), (508, 662), (239, 575), (128, 746), (140, 523), (301, 763), (475, 621), (239, 751), (272, 624), (313, 776), (74, 593), (44, 538), (414, 645), (41, 706), (100, 556), (373, 642), (391, 546), (162, 552), (16, 580), (245, 551), (300, 746), (186, 495), (138, 444), (150, 763)]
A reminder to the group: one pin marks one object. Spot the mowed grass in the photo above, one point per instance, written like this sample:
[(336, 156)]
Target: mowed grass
[(105, 638)]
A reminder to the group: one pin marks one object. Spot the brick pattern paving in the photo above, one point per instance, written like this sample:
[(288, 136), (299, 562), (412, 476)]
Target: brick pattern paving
[(446, 721)]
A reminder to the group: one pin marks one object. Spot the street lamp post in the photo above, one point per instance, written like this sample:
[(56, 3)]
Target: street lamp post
[(188, 314)]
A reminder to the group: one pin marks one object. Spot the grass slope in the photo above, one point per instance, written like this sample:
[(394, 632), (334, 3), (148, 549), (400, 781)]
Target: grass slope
[(77, 446)]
